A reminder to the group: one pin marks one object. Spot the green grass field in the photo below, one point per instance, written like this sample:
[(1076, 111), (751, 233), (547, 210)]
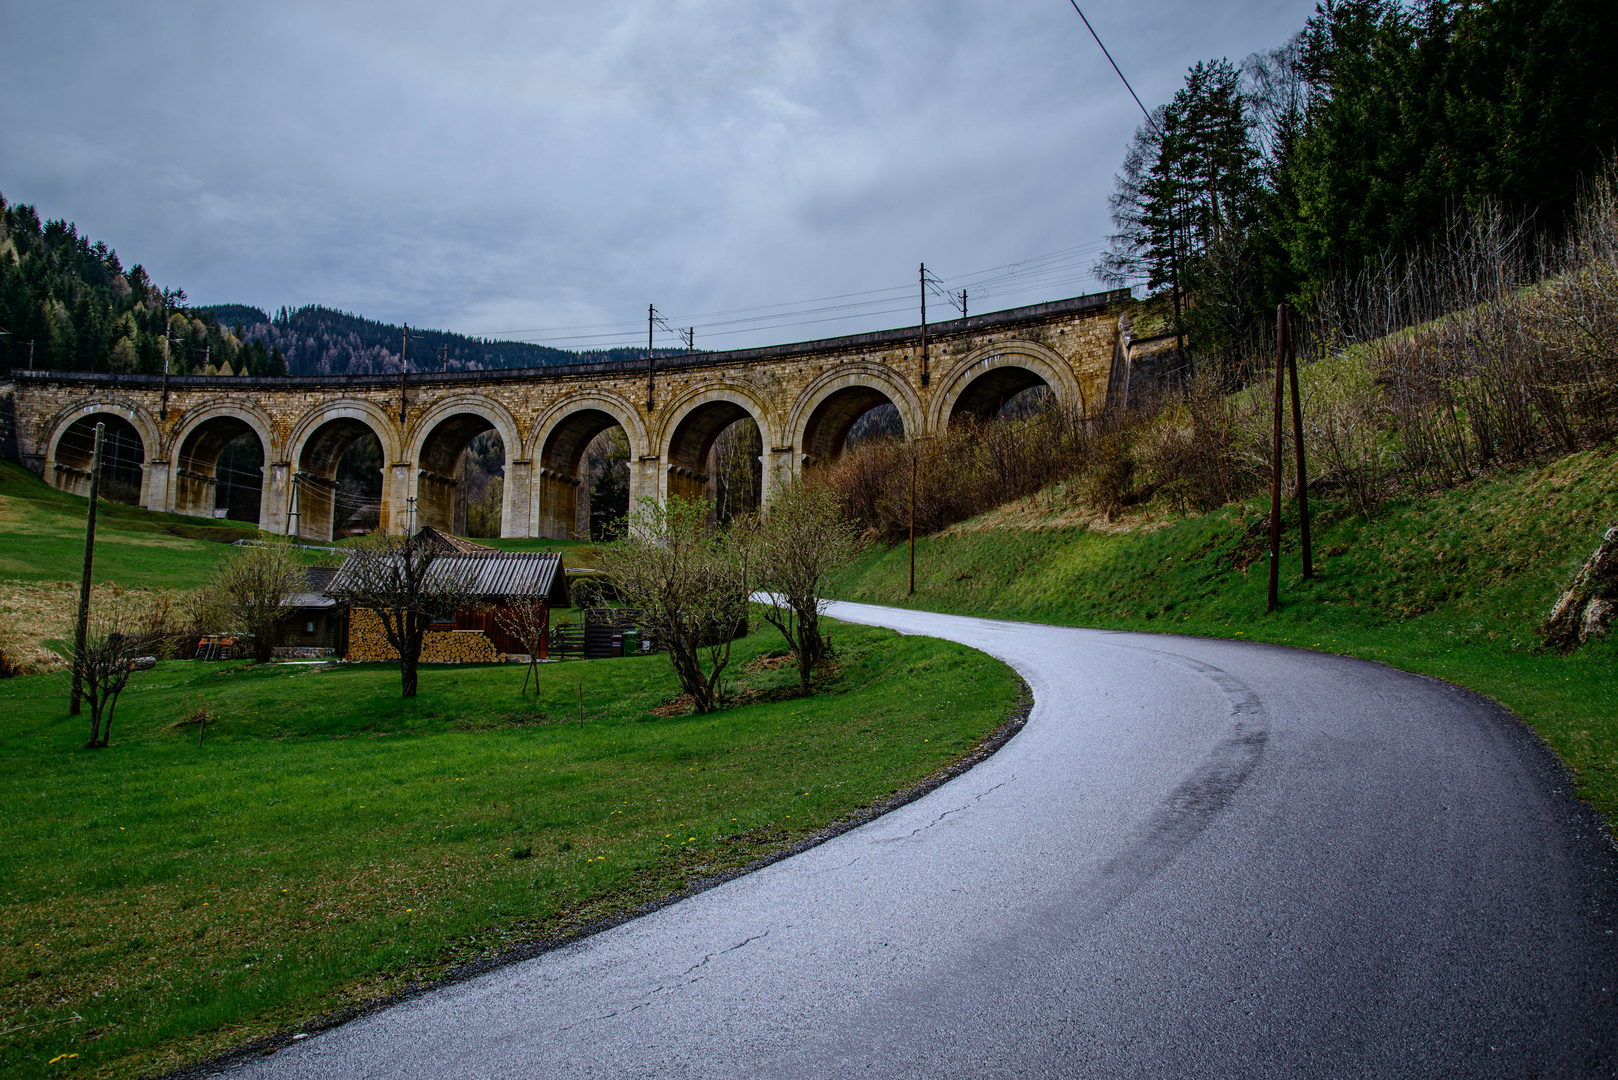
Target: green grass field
[(1451, 585), (42, 538), (331, 842)]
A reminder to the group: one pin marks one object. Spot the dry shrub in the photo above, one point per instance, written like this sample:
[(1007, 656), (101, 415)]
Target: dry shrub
[(973, 467)]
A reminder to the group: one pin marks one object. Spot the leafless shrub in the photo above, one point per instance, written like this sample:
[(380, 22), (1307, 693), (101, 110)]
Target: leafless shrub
[(803, 538), (252, 592), (528, 620), (689, 579), (127, 632)]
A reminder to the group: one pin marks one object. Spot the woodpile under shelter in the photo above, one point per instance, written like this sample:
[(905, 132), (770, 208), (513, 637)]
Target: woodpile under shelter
[(500, 580)]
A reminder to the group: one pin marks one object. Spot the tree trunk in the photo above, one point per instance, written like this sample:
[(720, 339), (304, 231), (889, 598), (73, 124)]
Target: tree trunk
[(413, 630), (106, 730)]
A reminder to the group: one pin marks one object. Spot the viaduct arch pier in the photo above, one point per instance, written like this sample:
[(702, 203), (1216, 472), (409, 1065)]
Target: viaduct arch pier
[(804, 397)]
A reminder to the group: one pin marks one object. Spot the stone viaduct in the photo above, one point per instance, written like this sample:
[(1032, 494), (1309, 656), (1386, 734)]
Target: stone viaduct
[(804, 397)]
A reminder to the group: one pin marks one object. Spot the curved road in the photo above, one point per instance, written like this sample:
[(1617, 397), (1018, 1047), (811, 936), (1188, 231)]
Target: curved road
[(1198, 859)]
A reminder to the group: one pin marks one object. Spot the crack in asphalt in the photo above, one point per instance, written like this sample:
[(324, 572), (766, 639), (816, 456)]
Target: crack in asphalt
[(955, 810), (732, 949), (660, 989)]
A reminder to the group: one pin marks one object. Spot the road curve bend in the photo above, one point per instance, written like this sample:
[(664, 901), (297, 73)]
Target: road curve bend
[(1199, 858)]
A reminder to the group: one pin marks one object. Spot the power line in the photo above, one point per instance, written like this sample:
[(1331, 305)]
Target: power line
[(1114, 64), (997, 280)]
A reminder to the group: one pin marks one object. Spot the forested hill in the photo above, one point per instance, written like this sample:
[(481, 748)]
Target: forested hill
[(1382, 131), (69, 304), (319, 341)]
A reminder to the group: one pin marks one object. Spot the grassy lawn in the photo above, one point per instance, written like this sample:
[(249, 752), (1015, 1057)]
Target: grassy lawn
[(42, 538), (1450, 585), (330, 842)]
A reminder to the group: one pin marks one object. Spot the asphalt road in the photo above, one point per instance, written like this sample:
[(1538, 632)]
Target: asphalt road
[(1198, 859)]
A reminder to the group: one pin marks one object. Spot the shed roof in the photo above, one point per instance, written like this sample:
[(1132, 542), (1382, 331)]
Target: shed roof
[(312, 590), (501, 575)]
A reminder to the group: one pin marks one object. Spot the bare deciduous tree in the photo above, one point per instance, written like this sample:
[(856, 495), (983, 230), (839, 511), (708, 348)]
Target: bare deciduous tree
[(254, 590), (803, 538), (689, 581), (125, 631), (409, 583), (527, 619)]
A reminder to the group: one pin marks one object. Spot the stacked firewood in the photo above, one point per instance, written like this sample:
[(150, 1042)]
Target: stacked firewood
[(368, 642)]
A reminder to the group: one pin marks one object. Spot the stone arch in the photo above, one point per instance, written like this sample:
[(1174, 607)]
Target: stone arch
[(71, 445), (440, 439), (202, 437), (556, 454), (818, 423), (993, 374), (694, 422), (318, 441)]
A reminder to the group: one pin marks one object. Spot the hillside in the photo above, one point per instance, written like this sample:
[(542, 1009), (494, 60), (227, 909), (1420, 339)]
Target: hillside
[(1450, 584), (70, 304), (319, 341)]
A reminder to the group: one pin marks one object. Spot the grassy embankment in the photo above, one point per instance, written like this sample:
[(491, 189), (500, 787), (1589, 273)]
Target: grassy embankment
[(1450, 585), (331, 842)]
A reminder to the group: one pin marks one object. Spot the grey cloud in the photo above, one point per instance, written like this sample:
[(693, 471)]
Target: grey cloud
[(503, 166)]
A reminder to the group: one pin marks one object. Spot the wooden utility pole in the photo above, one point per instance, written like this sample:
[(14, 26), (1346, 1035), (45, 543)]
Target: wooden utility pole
[(445, 365), (83, 628), (1286, 364), (1297, 444), (925, 377), (912, 521), (1275, 464)]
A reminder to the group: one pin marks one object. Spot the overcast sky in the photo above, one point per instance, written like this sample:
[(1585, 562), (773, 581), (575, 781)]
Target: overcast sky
[(509, 168)]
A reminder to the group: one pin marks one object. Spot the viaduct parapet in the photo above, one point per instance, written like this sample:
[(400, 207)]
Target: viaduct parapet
[(804, 397)]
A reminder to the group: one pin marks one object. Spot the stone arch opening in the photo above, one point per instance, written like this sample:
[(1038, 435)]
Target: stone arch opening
[(848, 417), (717, 453), (584, 476), (999, 391), (337, 488), (460, 477), (123, 458), (219, 470)]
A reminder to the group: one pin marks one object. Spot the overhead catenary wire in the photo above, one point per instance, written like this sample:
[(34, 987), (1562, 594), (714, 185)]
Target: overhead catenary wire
[(1047, 271)]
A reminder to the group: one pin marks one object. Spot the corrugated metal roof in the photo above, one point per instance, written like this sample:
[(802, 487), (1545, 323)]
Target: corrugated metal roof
[(501, 575)]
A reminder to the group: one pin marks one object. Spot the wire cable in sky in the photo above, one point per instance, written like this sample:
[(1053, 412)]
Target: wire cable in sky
[(1114, 63)]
